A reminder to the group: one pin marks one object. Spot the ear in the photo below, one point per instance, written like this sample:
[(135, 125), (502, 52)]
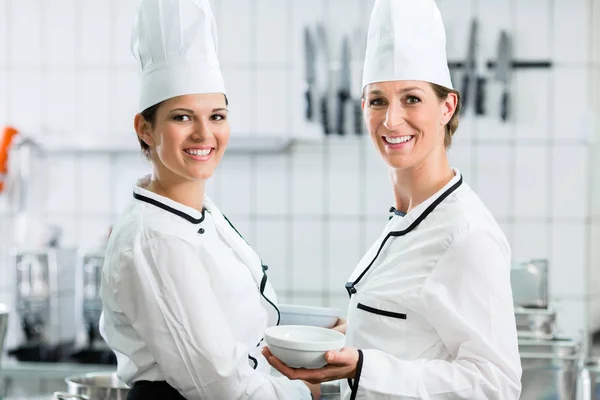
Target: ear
[(143, 129), (362, 103), (449, 107)]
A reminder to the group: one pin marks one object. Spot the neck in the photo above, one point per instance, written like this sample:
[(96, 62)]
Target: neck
[(412, 186), (187, 192)]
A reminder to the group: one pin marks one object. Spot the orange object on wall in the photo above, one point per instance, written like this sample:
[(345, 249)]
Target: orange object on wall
[(8, 135)]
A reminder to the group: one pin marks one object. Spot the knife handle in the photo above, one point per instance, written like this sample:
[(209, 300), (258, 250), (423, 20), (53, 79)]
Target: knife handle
[(325, 115), (480, 96), (465, 91), (341, 115), (309, 106), (504, 104), (358, 122)]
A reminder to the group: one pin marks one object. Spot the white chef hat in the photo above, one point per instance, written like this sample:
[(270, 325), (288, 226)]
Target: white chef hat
[(406, 41), (175, 42)]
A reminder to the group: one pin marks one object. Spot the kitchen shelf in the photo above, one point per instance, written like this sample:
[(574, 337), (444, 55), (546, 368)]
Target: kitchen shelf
[(127, 144)]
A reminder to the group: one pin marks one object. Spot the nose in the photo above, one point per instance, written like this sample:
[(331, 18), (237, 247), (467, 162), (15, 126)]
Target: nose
[(201, 130), (394, 115)]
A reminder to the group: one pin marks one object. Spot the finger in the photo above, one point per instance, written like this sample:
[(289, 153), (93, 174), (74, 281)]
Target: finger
[(266, 352), (340, 358)]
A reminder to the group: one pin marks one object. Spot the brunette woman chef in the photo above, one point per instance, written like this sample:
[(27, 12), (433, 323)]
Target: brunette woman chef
[(431, 310), (185, 299)]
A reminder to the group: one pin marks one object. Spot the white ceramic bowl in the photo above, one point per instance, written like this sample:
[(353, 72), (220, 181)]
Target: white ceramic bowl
[(301, 346), (307, 315)]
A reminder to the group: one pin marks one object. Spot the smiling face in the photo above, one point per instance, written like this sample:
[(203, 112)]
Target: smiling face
[(188, 136), (406, 121)]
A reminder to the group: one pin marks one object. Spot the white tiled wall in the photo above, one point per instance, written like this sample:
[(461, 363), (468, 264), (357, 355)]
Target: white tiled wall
[(312, 212)]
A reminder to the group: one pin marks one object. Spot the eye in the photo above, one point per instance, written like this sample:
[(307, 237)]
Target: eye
[(412, 100), (218, 117), (182, 118), (376, 102)]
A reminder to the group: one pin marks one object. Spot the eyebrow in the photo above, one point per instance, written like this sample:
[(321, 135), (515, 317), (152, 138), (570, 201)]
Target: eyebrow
[(187, 110), (408, 89)]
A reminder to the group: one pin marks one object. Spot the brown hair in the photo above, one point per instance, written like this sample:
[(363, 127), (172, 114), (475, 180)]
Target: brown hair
[(442, 94), (149, 115)]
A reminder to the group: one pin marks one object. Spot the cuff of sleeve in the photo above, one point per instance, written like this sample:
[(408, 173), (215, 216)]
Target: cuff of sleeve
[(353, 383)]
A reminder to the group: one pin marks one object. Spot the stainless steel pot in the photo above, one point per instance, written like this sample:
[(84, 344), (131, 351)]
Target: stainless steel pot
[(589, 380), (97, 386), (550, 368)]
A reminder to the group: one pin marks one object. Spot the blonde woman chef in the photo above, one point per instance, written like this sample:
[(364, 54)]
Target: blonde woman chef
[(431, 311), (185, 298)]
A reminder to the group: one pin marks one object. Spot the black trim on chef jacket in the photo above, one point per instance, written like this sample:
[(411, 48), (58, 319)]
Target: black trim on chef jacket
[(354, 385), (385, 313), (393, 211), (263, 281), (170, 209), (253, 360), (351, 286)]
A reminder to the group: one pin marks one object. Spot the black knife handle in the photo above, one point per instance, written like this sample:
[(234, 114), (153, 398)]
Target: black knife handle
[(325, 115), (341, 115), (465, 91), (358, 121), (309, 106), (505, 105), (480, 96)]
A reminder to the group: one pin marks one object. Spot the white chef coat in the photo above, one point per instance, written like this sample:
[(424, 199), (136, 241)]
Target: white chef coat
[(186, 300), (432, 311)]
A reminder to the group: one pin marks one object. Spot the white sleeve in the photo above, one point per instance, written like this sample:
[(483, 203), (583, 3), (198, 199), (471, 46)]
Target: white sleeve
[(468, 300), (169, 300)]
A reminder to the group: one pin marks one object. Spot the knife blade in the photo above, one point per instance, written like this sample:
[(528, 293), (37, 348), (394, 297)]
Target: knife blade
[(470, 65), (325, 63), (344, 87), (310, 73), (503, 72)]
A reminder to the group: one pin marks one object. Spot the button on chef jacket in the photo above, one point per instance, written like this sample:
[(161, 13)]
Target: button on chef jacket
[(431, 309), (182, 302)]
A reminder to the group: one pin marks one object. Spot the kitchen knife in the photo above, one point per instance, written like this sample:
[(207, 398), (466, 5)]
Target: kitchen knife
[(324, 61), (344, 87), (470, 65), (310, 73), (503, 72), (480, 80)]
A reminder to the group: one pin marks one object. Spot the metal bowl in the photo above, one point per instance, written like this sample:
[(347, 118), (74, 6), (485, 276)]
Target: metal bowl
[(98, 386)]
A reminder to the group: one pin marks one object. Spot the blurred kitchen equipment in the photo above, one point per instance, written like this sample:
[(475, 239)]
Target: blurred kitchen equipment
[(535, 323), (6, 141), (359, 48), (98, 386), (470, 66), (550, 368), (330, 390), (324, 79), (529, 281), (481, 77), (45, 302), (344, 87), (589, 380), (503, 72), (92, 349), (324, 317), (67, 396), (310, 72), (4, 315)]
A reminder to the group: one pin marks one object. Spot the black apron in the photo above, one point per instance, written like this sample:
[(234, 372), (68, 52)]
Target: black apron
[(149, 390)]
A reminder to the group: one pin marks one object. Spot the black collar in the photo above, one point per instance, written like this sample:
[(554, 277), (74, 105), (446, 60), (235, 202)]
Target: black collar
[(170, 209)]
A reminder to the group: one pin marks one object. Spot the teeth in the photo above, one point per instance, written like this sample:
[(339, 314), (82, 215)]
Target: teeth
[(198, 152), (396, 140)]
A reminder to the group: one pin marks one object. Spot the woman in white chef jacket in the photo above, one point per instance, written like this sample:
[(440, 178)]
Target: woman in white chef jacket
[(431, 311), (185, 299)]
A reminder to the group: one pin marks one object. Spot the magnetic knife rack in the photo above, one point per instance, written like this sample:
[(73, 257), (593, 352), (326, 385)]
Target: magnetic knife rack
[(516, 64)]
